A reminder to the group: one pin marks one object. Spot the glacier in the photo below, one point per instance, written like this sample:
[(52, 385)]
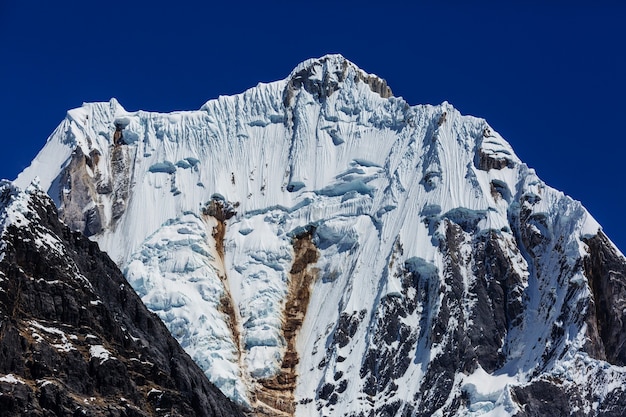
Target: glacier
[(321, 247)]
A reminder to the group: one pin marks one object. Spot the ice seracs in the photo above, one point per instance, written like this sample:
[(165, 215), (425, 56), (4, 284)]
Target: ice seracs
[(376, 257)]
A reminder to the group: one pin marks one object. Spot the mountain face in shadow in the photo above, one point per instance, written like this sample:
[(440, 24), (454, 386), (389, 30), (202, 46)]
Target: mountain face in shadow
[(75, 339)]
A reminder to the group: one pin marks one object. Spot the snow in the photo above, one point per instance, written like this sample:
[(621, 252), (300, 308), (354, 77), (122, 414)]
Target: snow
[(100, 352), (489, 394), (175, 275), (374, 179), (43, 382), (14, 205), (58, 337), (16, 209), (11, 379), (165, 167)]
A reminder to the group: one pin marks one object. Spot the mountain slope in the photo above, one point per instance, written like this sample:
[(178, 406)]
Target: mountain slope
[(75, 339), (320, 247)]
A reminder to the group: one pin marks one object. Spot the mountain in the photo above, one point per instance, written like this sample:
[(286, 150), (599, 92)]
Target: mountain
[(75, 339), (320, 247)]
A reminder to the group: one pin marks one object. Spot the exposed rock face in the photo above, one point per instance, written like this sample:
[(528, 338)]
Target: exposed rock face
[(607, 279), (76, 179), (276, 395), (82, 185), (465, 324), (75, 339)]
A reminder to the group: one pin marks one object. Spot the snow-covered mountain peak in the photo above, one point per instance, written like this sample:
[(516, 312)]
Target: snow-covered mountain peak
[(402, 257), (327, 63), (323, 76)]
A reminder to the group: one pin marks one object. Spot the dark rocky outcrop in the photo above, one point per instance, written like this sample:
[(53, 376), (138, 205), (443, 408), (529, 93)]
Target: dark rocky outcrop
[(486, 161), (604, 268), (75, 339), (543, 399)]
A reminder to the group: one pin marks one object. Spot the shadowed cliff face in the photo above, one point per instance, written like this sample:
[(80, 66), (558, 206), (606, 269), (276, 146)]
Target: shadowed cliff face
[(75, 338), (604, 268)]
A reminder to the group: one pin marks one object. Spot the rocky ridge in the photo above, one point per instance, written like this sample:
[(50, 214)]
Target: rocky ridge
[(75, 339)]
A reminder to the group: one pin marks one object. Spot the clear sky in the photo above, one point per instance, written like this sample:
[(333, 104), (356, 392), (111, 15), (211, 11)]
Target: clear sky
[(548, 76)]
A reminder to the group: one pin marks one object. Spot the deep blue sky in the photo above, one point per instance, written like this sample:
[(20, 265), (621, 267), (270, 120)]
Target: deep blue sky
[(549, 78)]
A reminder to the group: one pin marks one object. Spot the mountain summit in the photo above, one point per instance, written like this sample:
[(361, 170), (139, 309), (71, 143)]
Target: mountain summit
[(321, 247)]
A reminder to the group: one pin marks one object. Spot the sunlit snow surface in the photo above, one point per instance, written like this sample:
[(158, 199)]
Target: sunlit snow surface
[(372, 174)]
